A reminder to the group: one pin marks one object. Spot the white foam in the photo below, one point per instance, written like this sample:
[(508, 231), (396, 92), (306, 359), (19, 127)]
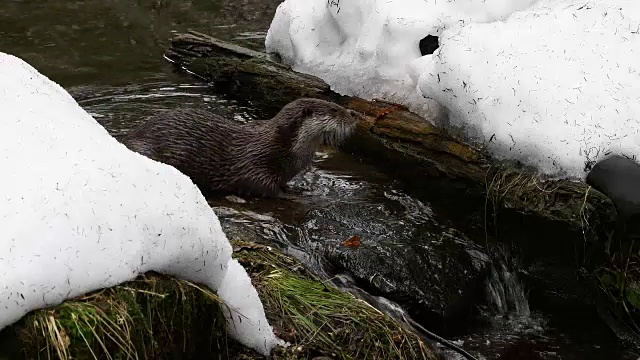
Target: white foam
[(81, 212)]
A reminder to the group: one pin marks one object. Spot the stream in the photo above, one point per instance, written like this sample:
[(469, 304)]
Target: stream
[(108, 55)]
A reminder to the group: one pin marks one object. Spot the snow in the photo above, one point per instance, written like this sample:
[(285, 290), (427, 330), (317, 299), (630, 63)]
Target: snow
[(550, 83), (240, 296), (364, 47), (558, 88), (81, 212)]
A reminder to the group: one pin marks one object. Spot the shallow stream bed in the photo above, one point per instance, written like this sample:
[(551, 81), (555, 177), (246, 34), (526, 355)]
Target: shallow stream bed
[(109, 56)]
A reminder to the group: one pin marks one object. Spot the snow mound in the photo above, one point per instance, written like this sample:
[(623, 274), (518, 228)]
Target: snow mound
[(364, 47), (551, 83), (238, 293), (81, 212), (556, 86)]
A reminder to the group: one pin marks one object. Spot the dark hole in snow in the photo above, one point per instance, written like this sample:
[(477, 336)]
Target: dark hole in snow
[(428, 45)]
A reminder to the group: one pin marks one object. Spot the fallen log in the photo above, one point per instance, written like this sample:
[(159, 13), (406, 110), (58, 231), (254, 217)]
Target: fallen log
[(548, 218)]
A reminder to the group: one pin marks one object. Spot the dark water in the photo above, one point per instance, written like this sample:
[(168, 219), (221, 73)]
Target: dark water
[(108, 54)]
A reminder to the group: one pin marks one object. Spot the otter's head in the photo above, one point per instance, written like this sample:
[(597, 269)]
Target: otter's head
[(315, 122)]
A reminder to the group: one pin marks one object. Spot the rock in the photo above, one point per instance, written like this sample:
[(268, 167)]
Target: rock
[(618, 177), (436, 273)]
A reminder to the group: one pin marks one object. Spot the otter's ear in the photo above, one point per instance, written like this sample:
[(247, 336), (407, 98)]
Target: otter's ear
[(307, 111)]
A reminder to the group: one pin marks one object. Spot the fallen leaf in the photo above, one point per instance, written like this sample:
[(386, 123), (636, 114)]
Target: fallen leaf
[(352, 242), (384, 112), (387, 110)]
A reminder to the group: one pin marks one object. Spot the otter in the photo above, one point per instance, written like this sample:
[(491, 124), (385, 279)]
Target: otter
[(253, 159)]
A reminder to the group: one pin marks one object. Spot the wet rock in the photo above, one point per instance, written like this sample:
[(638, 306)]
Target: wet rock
[(404, 252), (435, 272), (618, 177), (247, 225)]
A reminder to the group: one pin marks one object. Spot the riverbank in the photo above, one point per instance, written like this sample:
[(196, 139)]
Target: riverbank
[(157, 316), (112, 64), (560, 229)]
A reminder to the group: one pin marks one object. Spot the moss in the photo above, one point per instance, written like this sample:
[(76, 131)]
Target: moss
[(153, 316), (156, 316), (571, 202), (320, 319)]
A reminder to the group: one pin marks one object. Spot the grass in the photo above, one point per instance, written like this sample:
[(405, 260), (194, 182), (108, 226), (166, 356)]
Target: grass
[(152, 317), (527, 190), (619, 281), (322, 320), (613, 263), (159, 317)]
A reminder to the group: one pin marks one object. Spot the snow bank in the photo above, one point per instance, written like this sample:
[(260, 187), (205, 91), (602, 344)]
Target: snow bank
[(364, 47), (555, 86), (551, 83), (81, 212)]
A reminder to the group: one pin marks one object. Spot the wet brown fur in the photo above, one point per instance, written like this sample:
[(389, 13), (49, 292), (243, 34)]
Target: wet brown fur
[(255, 159)]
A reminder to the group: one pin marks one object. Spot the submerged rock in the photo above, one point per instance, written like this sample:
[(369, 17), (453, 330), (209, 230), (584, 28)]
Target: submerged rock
[(436, 273), (391, 244)]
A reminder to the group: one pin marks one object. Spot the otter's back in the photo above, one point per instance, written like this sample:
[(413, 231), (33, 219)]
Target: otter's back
[(196, 142)]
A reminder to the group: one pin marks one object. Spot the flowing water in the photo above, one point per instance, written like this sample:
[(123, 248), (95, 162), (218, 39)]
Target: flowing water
[(108, 54)]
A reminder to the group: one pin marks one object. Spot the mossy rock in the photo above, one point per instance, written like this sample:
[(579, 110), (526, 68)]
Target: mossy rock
[(154, 316), (159, 317)]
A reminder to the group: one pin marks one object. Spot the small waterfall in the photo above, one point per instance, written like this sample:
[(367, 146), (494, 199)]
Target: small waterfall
[(505, 291)]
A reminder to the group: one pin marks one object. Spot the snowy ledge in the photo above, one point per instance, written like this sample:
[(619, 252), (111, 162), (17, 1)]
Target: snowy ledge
[(409, 146), (158, 316), (553, 84)]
